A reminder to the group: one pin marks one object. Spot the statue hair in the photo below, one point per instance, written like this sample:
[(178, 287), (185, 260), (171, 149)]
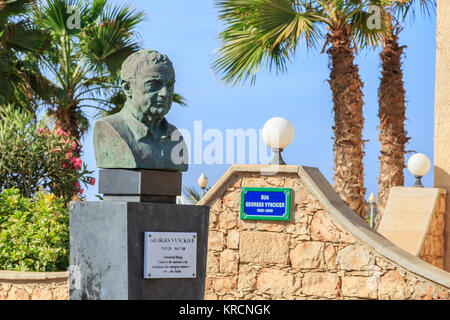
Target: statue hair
[(136, 60)]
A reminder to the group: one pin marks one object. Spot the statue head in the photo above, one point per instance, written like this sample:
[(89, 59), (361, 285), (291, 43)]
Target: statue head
[(148, 80)]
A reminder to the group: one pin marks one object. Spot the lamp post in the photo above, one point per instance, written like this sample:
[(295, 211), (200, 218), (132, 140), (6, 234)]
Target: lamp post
[(419, 165), (372, 200), (277, 133), (202, 182)]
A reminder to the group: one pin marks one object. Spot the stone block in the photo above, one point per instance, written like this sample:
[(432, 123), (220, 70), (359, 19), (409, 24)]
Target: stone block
[(213, 220), (212, 263), (246, 224), (42, 294), (322, 229), (229, 261), (321, 284), (300, 195), (139, 182), (277, 182), (355, 257), (273, 226), (301, 216), (359, 287), (216, 205), (235, 182), (393, 287), (227, 219), (423, 291), (224, 285), (18, 294), (263, 247), (210, 296), (252, 182), (330, 257), (307, 255), (215, 241), (246, 279), (275, 282), (233, 239), (297, 228), (232, 199)]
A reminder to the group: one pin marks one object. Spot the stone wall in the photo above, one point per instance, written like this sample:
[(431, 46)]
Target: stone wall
[(314, 256), (16, 285), (433, 249)]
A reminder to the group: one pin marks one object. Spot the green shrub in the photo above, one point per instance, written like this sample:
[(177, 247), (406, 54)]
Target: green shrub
[(34, 157), (34, 233)]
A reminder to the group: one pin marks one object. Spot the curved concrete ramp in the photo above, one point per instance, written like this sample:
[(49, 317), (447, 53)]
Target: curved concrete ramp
[(325, 251)]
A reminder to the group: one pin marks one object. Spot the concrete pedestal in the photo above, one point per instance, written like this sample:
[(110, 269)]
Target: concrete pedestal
[(107, 249)]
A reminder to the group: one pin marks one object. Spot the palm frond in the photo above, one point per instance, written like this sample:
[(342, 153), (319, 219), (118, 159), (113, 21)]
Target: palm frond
[(13, 8), (110, 41), (404, 8), (179, 99), (55, 15), (193, 195), (263, 33), (23, 36)]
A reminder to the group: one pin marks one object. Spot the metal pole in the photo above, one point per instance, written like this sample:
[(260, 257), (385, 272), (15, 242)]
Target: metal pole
[(371, 215)]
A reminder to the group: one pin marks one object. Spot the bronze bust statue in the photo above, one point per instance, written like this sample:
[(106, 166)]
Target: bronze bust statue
[(139, 136)]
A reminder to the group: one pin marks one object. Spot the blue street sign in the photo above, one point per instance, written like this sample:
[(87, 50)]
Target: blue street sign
[(265, 203)]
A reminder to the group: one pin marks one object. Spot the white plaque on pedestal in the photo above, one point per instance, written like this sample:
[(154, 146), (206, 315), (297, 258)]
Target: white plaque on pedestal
[(170, 255)]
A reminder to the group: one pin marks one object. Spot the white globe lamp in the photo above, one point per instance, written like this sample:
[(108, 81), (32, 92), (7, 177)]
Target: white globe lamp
[(419, 165), (277, 133), (202, 182)]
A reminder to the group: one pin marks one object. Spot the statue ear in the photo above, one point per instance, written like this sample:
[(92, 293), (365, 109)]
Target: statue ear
[(126, 88)]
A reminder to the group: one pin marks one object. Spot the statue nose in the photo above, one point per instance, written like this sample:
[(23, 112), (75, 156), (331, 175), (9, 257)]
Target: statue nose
[(164, 92)]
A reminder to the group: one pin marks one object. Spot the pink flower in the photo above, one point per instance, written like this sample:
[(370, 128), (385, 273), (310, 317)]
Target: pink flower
[(76, 163), (69, 154), (81, 191), (92, 181), (61, 132), (40, 130), (64, 165), (77, 184), (74, 145)]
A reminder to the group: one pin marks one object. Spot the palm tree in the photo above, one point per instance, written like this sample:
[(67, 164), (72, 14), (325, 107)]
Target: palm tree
[(267, 33), (193, 195), (391, 96), (20, 41), (84, 60)]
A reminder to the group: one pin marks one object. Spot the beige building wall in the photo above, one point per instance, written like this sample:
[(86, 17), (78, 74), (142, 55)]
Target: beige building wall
[(442, 114)]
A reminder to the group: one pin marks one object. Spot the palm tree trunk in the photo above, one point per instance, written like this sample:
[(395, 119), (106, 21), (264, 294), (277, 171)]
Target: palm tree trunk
[(67, 118), (346, 87), (392, 113)]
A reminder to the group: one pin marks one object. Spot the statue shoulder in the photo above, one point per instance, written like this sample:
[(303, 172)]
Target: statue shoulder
[(176, 135), (111, 149)]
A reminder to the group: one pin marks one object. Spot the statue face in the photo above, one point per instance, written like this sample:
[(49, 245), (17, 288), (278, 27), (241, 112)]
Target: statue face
[(151, 92)]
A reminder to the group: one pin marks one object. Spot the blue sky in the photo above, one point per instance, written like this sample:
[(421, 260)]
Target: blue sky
[(187, 32)]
